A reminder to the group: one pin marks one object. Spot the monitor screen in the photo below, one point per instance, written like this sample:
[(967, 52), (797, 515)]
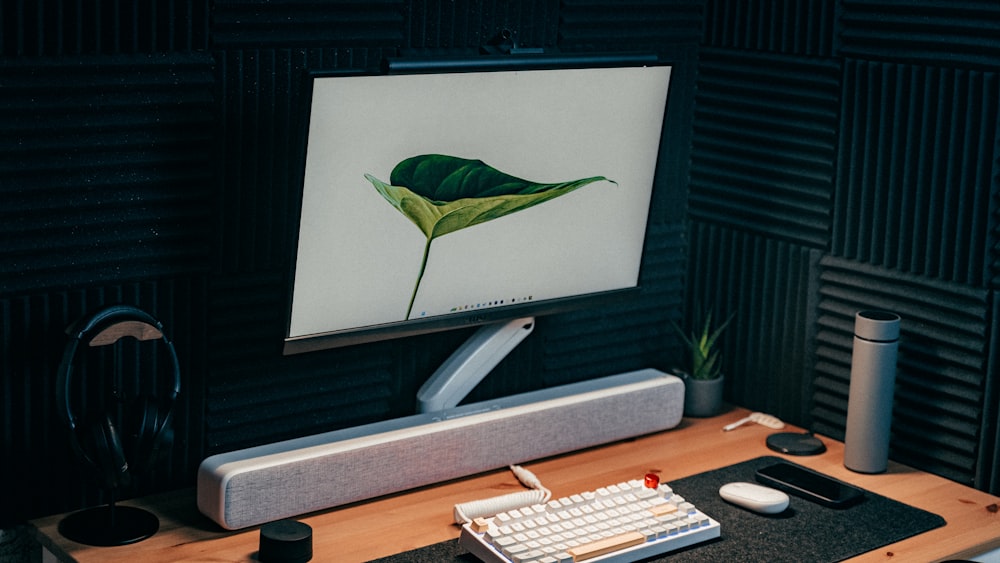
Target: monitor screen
[(439, 200)]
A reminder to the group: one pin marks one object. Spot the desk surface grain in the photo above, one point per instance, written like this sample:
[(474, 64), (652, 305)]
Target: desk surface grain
[(397, 523)]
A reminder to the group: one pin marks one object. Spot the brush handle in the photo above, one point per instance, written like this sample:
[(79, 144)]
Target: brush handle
[(759, 418), (736, 424)]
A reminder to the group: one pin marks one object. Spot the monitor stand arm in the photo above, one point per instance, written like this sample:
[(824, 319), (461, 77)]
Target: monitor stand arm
[(470, 363)]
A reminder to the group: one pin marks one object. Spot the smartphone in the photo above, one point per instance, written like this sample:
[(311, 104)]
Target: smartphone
[(810, 485)]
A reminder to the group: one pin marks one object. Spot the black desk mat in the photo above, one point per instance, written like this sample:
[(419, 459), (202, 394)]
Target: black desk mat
[(804, 532)]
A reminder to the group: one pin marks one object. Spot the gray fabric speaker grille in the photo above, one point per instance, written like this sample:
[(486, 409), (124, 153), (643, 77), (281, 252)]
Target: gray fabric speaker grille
[(476, 445)]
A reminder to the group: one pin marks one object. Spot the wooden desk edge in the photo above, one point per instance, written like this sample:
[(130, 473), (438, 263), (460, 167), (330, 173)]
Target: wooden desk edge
[(354, 532)]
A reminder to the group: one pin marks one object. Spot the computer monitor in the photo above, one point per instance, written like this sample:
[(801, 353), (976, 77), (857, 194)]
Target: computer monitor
[(450, 194)]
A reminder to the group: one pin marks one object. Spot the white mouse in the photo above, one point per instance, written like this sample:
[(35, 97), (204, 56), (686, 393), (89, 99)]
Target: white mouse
[(752, 496)]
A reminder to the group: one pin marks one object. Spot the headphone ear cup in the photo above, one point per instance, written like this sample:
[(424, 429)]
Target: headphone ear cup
[(107, 456), (150, 433)]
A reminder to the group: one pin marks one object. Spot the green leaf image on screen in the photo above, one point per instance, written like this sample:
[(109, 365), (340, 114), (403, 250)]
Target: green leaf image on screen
[(442, 194)]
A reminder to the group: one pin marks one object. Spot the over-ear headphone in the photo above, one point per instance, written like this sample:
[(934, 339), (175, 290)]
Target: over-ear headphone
[(96, 439)]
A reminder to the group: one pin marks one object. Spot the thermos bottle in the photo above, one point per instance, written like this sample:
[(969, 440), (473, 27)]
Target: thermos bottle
[(869, 403)]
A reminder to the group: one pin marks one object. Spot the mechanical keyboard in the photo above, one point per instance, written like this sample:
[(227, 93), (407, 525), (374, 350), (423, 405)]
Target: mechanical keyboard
[(618, 523)]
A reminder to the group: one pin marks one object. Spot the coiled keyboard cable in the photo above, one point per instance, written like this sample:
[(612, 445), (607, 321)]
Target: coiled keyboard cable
[(468, 511)]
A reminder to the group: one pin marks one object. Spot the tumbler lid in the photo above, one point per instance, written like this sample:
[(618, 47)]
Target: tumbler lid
[(880, 326)]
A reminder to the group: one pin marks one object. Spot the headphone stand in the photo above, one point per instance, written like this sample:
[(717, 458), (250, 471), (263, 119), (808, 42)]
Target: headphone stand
[(109, 525), (96, 442)]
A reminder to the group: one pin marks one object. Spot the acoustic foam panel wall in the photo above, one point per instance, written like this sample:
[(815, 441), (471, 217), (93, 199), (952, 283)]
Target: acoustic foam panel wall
[(123, 27), (940, 34), (764, 144), (251, 24), (623, 25), (105, 167), (792, 27), (769, 285), (916, 167)]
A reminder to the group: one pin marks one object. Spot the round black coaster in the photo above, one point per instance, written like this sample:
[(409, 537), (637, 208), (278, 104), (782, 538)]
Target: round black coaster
[(792, 443), (107, 526)]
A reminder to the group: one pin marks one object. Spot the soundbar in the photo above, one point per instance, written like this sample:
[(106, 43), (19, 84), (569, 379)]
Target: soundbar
[(265, 483)]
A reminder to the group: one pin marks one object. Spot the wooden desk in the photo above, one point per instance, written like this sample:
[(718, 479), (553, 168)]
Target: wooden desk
[(422, 517)]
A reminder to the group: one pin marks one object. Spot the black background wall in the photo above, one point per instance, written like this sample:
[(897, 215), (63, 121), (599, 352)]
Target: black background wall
[(829, 156)]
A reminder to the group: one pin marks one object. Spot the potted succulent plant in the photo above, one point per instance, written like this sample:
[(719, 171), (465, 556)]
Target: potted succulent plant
[(703, 379)]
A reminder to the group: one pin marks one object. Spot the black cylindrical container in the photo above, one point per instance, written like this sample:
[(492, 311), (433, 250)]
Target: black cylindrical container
[(869, 404)]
